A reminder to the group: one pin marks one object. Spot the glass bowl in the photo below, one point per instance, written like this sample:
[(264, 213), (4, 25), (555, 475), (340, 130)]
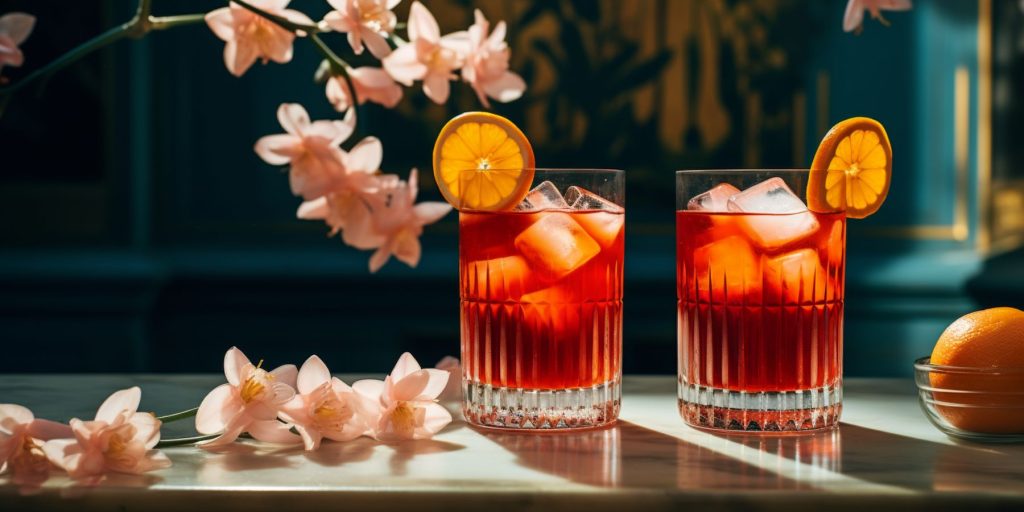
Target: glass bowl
[(976, 404)]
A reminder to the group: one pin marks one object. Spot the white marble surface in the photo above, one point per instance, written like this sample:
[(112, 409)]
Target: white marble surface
[(884, 453)]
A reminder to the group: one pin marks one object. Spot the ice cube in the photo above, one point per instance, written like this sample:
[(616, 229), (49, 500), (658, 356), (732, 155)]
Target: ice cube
[(545, 311), (725, 270), (556, 245), (714, 200), (543, 197), (603, 219), (580, 198), (785, 217), (497, 279), (796, 278)]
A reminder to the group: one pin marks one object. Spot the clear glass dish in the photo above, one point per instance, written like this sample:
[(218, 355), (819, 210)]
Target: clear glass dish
[(975, 404)]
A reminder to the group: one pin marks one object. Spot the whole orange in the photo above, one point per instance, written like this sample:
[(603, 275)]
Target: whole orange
[(990, 338)]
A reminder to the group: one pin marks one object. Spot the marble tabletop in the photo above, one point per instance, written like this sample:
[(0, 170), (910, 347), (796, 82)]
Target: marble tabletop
[(884, 454)]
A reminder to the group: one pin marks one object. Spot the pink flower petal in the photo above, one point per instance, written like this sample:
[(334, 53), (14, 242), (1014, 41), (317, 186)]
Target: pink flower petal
[(125, 400), (45, 430), (279, 149), (63, 453), (286, 374), (365, 156), (239, 56), (369, 388), (13, 414), (404, 66), (508, 87), (405, 366), (430, 212), (854, 15), (312, 375), (410, 387), (293, 118), (376, 43), (217, 409), (380, 257), (338, 94), (422, 25), (17, 25), (147, 429), (273, 432), (297, 17), (234, 363), (436, 418), (436, 87), (316, 209), (339, 386), (408, 249), (221, 22)]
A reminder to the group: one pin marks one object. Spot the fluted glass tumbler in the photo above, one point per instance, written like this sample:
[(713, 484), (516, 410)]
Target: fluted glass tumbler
[(760, 302), (541, 304)]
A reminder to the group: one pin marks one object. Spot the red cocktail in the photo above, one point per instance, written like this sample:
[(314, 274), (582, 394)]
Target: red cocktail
[(760, 288), (541, 299)]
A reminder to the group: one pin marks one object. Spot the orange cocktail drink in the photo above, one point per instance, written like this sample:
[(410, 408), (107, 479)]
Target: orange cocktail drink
[(760, 288), (541, 304)]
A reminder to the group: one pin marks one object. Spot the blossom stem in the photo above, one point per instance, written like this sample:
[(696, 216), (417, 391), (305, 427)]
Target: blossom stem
[(166, 22), (140, 24), (178, 415), (184, 441), (280, 21)]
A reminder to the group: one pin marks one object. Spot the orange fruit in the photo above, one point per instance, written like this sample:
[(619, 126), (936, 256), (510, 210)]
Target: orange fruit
[(992, 339), (483, 162), (851, 169)]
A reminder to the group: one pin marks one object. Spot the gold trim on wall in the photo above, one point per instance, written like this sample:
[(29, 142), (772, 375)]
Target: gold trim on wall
[(960, 229), (984, 159)]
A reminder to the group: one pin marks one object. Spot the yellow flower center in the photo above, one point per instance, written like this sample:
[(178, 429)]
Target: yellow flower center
[(404, 419), (256, 384)]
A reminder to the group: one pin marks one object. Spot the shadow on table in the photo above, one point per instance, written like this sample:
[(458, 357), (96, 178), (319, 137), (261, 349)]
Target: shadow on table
[(894, 460), (630, 456)]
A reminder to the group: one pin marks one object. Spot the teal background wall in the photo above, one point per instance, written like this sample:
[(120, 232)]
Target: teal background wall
[(139, 232)]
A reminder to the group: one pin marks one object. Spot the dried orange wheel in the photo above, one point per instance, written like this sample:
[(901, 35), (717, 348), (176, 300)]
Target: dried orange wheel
[(851, 169), (483, 162)]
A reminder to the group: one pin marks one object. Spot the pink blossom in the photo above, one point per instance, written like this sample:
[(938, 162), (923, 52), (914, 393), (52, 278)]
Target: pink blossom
[(317, 163), (325, 407), (14, 29), (349, 211), (371, 84), (486, 66), (119, 439), (853, 19), (399, 221), (21, 443), (428, 56), (450, 364), (407, 401), (367, 22), (250, 36), (248, 402)]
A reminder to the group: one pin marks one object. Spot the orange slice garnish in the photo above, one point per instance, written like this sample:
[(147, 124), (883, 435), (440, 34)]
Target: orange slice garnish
[(483, 162), (851, 169)]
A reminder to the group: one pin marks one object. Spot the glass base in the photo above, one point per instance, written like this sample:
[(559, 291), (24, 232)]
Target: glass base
[(766, 411), (533, 409)]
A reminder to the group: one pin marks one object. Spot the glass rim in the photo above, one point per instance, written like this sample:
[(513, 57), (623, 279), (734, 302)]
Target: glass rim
[(741, 171), (924, 365), (558, 170)]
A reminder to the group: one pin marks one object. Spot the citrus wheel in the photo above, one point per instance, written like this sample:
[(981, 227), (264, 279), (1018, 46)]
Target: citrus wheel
[(851, 169), (483, 162)]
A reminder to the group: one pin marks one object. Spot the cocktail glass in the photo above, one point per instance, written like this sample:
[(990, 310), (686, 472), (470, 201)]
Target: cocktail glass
[(541, 304), (760, 290)]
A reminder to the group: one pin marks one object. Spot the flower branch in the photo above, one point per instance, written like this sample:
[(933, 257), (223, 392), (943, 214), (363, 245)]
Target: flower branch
[(140, 25)]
